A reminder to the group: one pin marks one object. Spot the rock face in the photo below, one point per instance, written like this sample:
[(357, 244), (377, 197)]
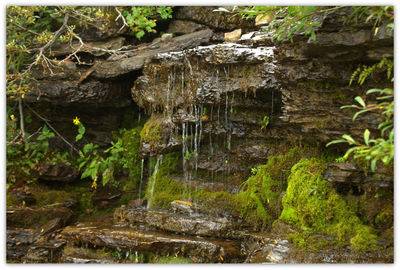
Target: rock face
[(179, 223), (225, 108), (223, 94), (109, 69), (215, 20), (58, 172), (101, 235)]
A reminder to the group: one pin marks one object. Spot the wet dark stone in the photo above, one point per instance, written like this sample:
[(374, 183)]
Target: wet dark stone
[(343, 172), (45, 252), (102, 235), (184, 27), (42, 234), (137, 203), (94, 93), (109, 69), (34, 217), (18, 241), (183, 222), (58, 172), (349, 173), (105, 196), (23, 196), (216, 20)]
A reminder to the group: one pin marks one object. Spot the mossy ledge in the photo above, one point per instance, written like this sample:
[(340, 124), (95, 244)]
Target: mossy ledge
[(313, 206)]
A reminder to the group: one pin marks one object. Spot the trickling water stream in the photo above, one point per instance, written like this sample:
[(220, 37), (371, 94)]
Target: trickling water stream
[(153, 180)]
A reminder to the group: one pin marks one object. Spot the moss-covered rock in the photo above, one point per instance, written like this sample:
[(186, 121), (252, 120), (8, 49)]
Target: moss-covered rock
[(151, 132), (312, 204), (51, 197), (259, 197), (173, 260)]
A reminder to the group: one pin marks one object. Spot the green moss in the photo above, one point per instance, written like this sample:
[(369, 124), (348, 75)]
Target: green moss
[(259, 197), (12, 200), (83, 194), (385, 218), (50, 197), (298, 239), (365, 239), (312, 204), (173, 260), (257, 202), (151, 132)]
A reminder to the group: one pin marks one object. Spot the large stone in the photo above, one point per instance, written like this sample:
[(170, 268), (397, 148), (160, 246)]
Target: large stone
[(117, 237), (233, 36), (18, 241), (182, 27), (109, 69), (34, 217), (95, 93), (216, 20), (58, 172)]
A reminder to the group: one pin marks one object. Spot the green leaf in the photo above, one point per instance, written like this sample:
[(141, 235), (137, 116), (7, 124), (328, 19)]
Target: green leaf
[(334, 142), (88, 148), (360, 100), (348, 138), (86, 173), (373, 164), (78, 137), (366, 136)]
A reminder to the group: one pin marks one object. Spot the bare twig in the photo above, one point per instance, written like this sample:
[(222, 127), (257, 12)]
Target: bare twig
[(23, 28), (52, 128), (124, 23), (21, 116), (48, 44)]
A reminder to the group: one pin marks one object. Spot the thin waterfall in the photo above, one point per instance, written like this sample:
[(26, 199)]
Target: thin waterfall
[(141, 178), (195, 135), (154, 178)]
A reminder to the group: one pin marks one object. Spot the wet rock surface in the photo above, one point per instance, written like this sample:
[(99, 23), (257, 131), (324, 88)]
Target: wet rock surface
[(190, 224), (109, 69), (101, 235), (350, 173), (215, 20), (58, 172), (34, 217)]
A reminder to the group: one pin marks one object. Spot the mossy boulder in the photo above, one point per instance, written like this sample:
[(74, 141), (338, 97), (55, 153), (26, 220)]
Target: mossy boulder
[(313, 205), (158, 136)]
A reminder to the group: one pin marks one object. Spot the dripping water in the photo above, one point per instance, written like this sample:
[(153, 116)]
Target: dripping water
[(153, 183), (141, 178), (195, 135)]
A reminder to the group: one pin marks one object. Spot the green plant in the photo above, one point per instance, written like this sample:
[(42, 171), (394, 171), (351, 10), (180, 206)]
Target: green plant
[(295, 18), (188, 154), (123, 153), (284, 21), (264, 123), (382, 148), (142, 19)]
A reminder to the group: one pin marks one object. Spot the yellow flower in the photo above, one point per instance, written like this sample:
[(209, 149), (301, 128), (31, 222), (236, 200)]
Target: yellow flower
[(94, 185), (12, 117), (76, 121)]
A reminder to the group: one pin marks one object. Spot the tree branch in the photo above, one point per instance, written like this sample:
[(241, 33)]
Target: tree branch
[(124, 23), (52, 128), (23, 28)]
